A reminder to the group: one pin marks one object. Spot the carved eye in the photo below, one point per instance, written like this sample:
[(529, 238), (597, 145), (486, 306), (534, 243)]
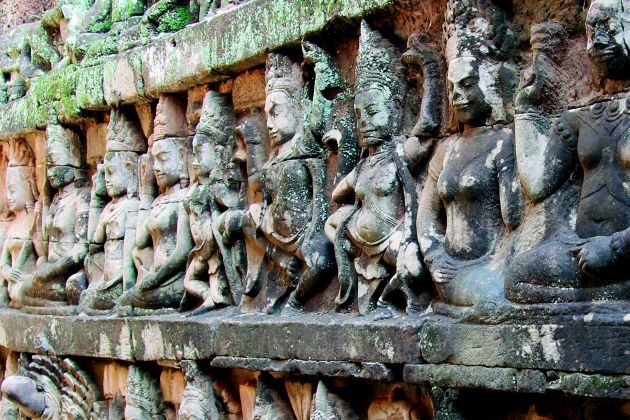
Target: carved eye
[(39, 388)]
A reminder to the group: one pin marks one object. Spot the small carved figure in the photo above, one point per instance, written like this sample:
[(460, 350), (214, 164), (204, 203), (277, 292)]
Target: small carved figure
[(199, 400), (469, 201), (114, 205), (18, 254), (588, 261), (163, 239), (375, 237), (211, 275), (290, 224), (144, 397), (65, 222), (53, 388)]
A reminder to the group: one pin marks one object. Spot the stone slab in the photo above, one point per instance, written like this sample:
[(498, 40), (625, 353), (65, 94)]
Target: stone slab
[(477, 377), (571, 347), (319, 337), (369, 371)]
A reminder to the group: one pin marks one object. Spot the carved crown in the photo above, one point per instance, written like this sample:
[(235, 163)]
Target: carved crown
[(284, 75), (217, 119), (20, 153), (378, 63), (170, 118), (124, 134)]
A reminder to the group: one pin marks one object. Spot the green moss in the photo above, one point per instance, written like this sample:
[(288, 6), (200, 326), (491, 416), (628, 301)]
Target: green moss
[(124, 9), (174, 19)]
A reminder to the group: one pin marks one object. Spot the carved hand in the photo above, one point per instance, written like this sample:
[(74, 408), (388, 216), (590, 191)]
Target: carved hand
[(620, 245), (594, 255), (443, 267), (15, 275), (408, 264), (148, 183), (98, 182)]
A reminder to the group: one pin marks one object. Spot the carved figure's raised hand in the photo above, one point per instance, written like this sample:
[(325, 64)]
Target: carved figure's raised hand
[(148, 182), (98, 182), (594, 255), (529, 94)]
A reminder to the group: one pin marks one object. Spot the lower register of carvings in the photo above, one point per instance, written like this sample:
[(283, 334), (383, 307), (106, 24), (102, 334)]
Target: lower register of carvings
[(297, 217)]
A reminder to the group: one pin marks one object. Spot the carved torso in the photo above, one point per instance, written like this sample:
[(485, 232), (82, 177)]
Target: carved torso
[(289, 196), (162, 225), (113, 219), (381, 201), (17, 235), (200, 216), (603, 149), (468, 186), (60, 224)]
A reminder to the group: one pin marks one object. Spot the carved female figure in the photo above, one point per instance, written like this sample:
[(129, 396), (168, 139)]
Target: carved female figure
[(18, 255), (591, 262), (210, 263), (470, 200), (369, 234), (163, 239), (109, 260), (290, 226), (64, 224)]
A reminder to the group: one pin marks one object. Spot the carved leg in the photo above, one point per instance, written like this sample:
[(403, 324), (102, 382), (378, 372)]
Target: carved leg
[(321, 267)]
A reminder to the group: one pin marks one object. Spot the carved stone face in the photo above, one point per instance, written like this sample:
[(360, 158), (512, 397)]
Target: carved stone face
[(465, 93), (18, 189), (168, 162), (282, 117), (606, 46), (59, 175), (204, 158), (374, 116), (117, 176)]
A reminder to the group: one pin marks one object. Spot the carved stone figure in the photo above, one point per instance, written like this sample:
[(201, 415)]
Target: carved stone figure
[(64, 228), (587, 261), (212, 275), (271, 399), (298, 256), (144, 397), (163, 239), (53, 388), (114, 206), (198, 399), (18, 254), (375, 236), (470, 200)]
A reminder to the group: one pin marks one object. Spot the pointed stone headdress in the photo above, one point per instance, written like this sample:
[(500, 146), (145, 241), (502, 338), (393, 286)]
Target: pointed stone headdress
[(170, 118), (378, 64), (124, 134), (217, 118), (284, 75), (476, 28), (64, 144), (20, 153)]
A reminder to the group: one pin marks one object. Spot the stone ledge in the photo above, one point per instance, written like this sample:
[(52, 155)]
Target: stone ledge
[(519, 380), (368, 371), (573, 347), (204, 52), (569, 347)]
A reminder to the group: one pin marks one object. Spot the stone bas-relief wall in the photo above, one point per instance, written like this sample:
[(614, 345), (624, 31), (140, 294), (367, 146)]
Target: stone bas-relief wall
[(362, 209)]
